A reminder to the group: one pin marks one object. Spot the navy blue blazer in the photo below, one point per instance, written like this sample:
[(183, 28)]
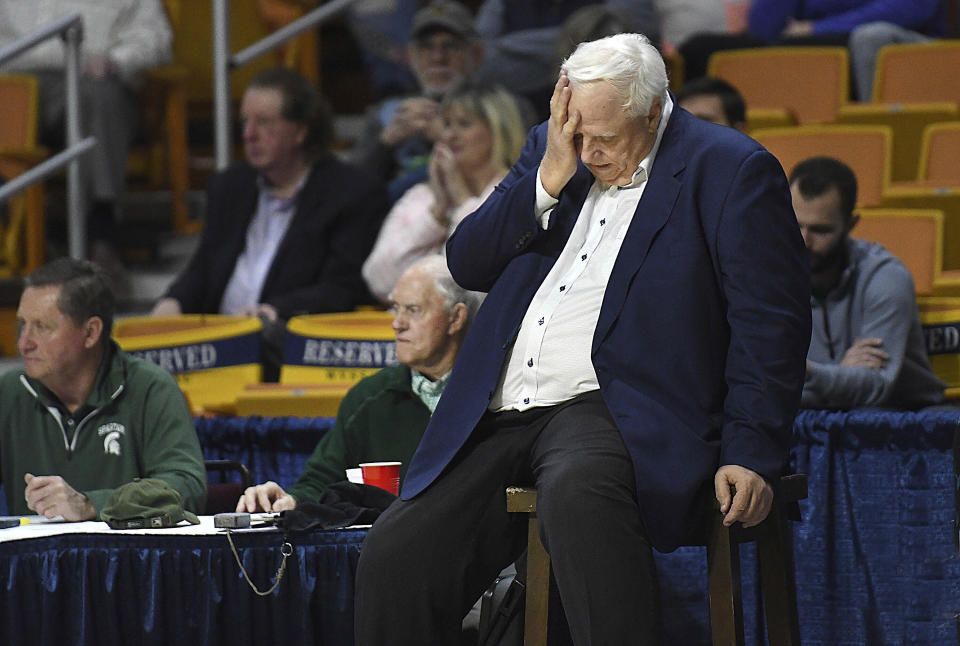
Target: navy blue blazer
[(701, 341)]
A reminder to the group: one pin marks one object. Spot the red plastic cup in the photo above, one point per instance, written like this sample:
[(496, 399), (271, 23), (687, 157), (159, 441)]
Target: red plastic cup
[(385, 475)]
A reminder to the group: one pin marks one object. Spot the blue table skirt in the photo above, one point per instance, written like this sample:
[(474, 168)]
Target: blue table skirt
[(105, 589), (273, 448), (875, 555)]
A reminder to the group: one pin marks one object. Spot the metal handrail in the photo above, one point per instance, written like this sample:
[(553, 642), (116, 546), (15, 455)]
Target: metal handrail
[(71, 26), (224, 63)]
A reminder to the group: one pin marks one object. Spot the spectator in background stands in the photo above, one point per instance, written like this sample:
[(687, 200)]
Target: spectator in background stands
[(683, 19), (522, 38), (783, 20), (815, 22), (868, 39), (288, 228), (481, 138), (121, 39), (400, 132), (83, 418), (866, 348), (384, 415), (714, 100)]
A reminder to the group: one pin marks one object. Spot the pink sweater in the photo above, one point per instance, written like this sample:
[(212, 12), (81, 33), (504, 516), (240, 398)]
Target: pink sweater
[(410, 232)]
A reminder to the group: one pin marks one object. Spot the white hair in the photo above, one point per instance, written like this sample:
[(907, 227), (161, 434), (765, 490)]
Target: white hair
[(628, 62), (435, 266)]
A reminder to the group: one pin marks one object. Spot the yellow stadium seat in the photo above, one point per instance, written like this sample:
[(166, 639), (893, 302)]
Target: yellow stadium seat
[(337, 348), (914, 236), (929, 195), (940, 154), (918, 73), (22, 234), (810, 82), (758, 118), (865, 149), (907, 122), (211, 356), (303, 400)]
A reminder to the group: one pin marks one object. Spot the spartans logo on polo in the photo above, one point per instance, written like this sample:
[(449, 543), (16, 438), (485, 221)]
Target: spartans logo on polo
[(111, 437)]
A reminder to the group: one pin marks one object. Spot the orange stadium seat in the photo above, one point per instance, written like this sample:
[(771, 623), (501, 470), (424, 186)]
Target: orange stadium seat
[(866, 149), (914, 236), (810, 82), (937, 185), (918, 73), (940, 154), (907, 122), (22, 235)]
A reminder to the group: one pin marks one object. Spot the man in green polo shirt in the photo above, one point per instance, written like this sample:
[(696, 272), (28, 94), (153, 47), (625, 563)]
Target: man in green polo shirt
[(82, 417), (382, 418)]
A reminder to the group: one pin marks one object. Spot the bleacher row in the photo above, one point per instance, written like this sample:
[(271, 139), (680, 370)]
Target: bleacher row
[(904, 145), (216, 359)]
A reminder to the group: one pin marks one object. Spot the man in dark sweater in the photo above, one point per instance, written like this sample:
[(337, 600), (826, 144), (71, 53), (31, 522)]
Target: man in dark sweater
[(383, 417)]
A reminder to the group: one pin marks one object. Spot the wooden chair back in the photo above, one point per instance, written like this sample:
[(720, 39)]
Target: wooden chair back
[(810, 82)]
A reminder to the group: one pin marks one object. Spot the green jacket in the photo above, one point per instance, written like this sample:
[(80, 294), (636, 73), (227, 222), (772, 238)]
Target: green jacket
[(135, 423), (380, 419)]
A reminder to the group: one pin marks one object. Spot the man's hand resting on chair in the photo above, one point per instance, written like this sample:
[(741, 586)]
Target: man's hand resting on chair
[(754, 495)]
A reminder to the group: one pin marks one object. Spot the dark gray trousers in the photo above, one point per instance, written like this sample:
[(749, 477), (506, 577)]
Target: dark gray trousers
[(427, 560), (108, 111)]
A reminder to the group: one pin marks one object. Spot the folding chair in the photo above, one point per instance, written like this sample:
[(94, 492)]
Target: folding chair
[(222, 496)]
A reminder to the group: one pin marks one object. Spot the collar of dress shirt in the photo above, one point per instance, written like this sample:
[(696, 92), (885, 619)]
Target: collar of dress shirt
[(267, 189), (428, 391)]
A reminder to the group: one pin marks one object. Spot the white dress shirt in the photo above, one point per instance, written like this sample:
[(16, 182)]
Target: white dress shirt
[(549, 362), (264, 235)]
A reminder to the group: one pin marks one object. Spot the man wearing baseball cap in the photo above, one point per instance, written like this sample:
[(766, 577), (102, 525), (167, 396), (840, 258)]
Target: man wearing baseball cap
[(443, 51)]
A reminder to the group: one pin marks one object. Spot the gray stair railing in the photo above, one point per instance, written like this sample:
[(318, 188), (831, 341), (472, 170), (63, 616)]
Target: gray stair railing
[(70, 28)]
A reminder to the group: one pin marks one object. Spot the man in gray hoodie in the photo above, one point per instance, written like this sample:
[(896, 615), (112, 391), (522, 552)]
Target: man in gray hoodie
[(866, 346)]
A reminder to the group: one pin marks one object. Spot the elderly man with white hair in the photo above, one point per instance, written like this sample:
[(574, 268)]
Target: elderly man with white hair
[(382, 418), (641, 347)]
